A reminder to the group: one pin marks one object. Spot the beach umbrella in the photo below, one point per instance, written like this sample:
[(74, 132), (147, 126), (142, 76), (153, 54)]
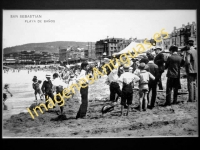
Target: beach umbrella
[(131, 46)]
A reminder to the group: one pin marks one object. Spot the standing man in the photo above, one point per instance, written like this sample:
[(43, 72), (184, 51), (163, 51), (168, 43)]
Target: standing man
[(191, 70), (173, 64), (47, 89), (153, 69), (84, 92), (159, 61)]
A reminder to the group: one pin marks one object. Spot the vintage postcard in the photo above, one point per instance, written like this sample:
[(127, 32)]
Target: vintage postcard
[(99, 73)]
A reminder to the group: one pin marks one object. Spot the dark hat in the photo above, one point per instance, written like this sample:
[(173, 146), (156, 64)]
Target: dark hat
[(150, 56), (144, 60), (107, 108), (84, 64), (55, 75), (148, 53), (190, 41), (173, 48), (34, 80), (184, 48)]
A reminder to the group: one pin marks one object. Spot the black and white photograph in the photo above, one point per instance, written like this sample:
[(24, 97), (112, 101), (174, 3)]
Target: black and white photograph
[(86, 73)]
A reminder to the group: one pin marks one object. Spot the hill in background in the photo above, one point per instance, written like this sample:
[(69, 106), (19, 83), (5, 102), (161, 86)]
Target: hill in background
[(51, 47)]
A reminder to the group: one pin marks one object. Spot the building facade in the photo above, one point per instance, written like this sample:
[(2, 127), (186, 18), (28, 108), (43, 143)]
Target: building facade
[(91, 51), (27, 57), (72, 54), (107, 46), (179, 36), (11, 58), (32, 57)]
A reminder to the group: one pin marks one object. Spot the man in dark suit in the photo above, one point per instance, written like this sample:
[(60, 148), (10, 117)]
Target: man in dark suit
[(173, 64), (153, 69), (47, 89), (159, 60)]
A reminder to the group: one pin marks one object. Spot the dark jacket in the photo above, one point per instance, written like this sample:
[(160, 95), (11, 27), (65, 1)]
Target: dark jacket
[(153, 69), (47, 87), (134, 66), (173, 64), (191, 61), (159, 61), (120, 71)]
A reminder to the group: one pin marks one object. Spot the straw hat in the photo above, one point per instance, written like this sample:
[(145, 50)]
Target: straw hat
[(48, 75), (157, 47)]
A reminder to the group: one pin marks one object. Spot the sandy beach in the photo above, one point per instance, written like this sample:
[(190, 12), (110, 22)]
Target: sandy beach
[(179, 120)]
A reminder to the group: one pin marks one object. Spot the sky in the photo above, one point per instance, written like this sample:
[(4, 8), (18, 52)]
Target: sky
[(89, 25)]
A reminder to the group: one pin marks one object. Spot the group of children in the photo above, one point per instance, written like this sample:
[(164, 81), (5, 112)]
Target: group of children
[(123, 83)]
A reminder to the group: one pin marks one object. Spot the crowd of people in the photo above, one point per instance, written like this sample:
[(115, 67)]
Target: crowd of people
[(61, 80), (146, 72)]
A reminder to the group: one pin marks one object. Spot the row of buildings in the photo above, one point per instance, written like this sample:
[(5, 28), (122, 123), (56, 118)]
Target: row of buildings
[(30, 57), (179, 36), (105, 47), (66, 55), (72, 54)]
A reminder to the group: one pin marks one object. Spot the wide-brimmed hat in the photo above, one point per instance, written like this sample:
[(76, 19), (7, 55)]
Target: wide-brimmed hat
[(157, 47), (190, 42), (125, 66), (48, 76)]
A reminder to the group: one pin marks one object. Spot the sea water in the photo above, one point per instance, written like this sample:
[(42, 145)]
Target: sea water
[(20, 85)]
